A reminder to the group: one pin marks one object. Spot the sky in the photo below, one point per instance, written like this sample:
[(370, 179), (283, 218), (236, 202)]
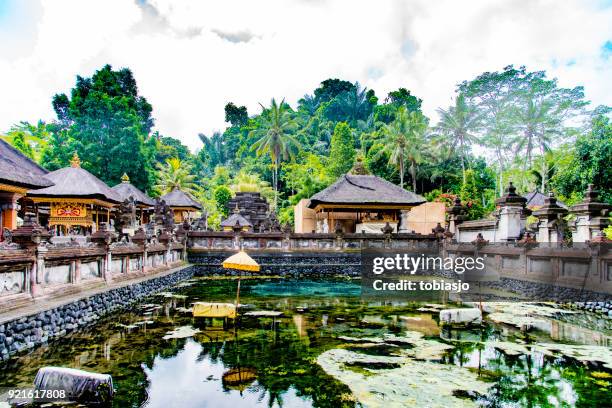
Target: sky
[(191, 57)]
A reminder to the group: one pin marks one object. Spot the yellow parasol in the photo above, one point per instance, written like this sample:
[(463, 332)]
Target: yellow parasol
[(241, 262)]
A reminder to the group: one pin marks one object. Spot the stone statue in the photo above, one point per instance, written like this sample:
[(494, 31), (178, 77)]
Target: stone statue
[(127, 214), (167, 216), (158, 217)]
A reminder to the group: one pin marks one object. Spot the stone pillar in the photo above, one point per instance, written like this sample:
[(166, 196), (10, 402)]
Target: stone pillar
[(592, 216), (77, 271), (9, 209), (140, 238), (104, 237), (38, 272), (34, 238), (550, 220), (456, 215), (510, 214)]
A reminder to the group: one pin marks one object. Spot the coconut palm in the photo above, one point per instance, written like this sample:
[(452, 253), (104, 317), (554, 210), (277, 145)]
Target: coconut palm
[(403, 140), (175, 174), (459, 123), (275, 138)]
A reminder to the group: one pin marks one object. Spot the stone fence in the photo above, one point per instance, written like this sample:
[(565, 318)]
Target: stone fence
[(584, 268), (305, 242), (550, 223), (31, 267)]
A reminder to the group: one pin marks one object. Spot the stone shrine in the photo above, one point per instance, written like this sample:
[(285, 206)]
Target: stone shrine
[(252, 206)]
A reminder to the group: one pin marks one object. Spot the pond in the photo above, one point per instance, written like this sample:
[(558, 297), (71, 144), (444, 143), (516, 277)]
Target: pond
[(328, 349)]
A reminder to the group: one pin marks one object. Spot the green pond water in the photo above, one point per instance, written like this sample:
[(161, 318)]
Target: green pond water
[(277, 358)]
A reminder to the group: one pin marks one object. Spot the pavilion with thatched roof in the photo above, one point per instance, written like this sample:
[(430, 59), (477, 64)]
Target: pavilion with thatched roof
[(358, 202), (236, 221), (143, 202), (18, 174), (182, 205), (76, 199)]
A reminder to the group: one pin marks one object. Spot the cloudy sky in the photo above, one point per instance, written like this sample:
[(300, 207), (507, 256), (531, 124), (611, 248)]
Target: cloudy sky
[(191, 57)]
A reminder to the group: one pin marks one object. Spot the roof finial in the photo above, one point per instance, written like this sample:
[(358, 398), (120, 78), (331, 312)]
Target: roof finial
[(358, 167), (75, 161), (125, 178)]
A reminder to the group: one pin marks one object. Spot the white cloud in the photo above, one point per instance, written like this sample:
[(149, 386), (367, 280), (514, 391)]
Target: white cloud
[(192, 57)]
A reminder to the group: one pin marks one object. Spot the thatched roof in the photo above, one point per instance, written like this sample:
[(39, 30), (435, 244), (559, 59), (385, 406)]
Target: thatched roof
[(352, 189), (535, 200), (126, 190), (17, 169), (236, 218), (76, 182), (178, 198)]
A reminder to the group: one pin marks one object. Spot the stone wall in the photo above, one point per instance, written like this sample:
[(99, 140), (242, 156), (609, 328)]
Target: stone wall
[(289, 264), (30, 331)]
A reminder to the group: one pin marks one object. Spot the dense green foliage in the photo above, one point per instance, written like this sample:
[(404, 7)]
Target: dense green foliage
[(108, 124), (342, 152), (522, 125)]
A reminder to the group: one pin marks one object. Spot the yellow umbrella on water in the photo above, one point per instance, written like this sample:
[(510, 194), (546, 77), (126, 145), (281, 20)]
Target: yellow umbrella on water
[(241, 262)]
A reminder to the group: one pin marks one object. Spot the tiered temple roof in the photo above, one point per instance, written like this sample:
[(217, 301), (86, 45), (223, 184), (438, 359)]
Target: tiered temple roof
[(252, 206), (76, 182)]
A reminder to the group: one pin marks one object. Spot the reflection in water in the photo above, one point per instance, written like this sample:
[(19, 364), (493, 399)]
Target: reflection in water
[(272, 362)]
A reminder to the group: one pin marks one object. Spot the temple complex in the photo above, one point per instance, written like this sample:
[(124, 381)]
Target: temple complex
[(18, 174), (356, 202), (182, 205), (77, 202)]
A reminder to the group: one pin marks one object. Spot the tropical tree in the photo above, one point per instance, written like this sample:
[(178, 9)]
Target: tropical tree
[(175, 174), (222, 196), (342, 151), (246, 182), (19, 142), (275, 139), (403, 141), (459, 123)]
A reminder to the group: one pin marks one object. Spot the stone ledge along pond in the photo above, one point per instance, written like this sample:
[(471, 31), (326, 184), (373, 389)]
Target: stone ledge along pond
[(330, 348)]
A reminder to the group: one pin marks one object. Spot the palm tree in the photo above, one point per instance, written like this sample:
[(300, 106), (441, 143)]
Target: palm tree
[(458, 123), (415, 151), (275, 139), (403, 141), (174, 174)]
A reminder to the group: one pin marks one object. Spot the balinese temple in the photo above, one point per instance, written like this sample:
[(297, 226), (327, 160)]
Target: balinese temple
[(356, 202), (144, 203), (77, 202), (253, 207), (236, 221), (18, 174), (182, 205), (536, 200)]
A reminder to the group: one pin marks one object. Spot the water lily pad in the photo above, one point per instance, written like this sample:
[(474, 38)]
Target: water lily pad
[(181, 333), (399, 382)]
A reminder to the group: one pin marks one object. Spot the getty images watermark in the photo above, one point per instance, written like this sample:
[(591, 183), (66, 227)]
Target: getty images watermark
[(423, 265), (502, 273)]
